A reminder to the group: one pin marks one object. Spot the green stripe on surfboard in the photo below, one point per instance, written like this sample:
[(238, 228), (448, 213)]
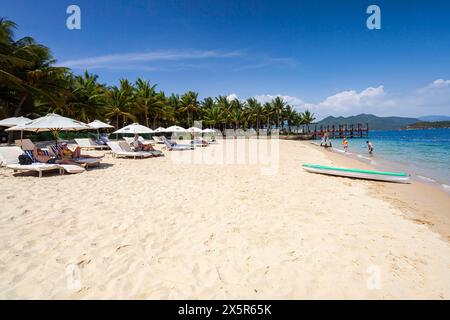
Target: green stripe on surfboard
[(394, 174)]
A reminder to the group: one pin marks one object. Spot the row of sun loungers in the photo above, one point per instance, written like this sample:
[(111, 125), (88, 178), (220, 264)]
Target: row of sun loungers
[(9, 157)]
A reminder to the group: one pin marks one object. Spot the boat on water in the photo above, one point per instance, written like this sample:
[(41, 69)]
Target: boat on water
[(399, 177)]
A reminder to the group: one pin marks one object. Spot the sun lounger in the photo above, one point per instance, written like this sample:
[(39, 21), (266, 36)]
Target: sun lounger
[(200, 142), (117, 151), (88, 161), (125, 147), (128, 140), (25, 144), (70, 168), (158, 140), (9, 157), (174, 146), (89, 144), (131, 140)]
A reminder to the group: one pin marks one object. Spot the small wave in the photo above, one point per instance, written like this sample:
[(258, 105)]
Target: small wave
[(445, 186), (426, 178), (362, 157)]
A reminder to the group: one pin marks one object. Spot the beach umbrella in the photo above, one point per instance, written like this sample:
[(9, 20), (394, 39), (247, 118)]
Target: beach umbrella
[(195, 130), (159, 130), (51, 122), (175, 129), (97, 124), (134, 128), (14, 121)]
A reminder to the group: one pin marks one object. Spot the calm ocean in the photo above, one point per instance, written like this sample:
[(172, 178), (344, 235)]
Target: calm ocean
[(424, 154)]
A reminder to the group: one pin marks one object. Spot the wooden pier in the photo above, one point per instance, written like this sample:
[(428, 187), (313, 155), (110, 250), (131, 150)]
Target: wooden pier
[(341, 131)]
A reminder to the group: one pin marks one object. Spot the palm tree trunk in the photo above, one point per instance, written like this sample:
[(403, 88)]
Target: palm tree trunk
[(146, 119), (19, 107)]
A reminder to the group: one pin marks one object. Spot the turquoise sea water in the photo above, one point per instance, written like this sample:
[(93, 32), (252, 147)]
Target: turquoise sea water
[(424, 154)]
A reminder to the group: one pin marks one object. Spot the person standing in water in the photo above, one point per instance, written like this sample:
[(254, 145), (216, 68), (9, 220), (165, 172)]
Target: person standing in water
[(345, 144), (369, 146)]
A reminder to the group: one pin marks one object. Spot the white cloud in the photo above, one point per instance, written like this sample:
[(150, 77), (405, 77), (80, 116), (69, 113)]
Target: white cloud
[(436, 84), (431, 99), (292, 101), (439, 83), (262, 62), (232, 96), (346, 100), (115, 60)]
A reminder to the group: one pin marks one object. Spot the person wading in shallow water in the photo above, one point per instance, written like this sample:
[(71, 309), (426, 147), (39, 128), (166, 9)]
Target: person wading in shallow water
[(345, 144), (369, 146)]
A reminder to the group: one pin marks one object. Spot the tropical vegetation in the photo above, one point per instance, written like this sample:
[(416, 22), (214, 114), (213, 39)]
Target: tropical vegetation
[(31, 85)]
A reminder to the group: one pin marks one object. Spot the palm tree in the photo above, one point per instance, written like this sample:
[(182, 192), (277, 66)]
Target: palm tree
[(86, 97), (278, 105), (148, 101), (27, 74), (118, 102), (268, 112), (224, 105), (308, 118), (255, 112), (189, 104), (237, 113), (208, 103), (289, 115), (213, 116)]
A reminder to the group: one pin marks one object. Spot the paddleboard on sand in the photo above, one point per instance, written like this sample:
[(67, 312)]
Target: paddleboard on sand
[(399, 177)]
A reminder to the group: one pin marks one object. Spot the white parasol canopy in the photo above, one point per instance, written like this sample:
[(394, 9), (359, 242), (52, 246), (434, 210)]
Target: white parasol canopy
[(97, 124), (159, 130), (135, 128), (175, 129), (51, 122), (14, 121), (208, 130), (194, 129)]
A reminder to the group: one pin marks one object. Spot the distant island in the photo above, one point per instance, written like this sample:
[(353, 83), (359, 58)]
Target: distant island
[(387, 123), (428, 125), (374, 122), (434, 118)]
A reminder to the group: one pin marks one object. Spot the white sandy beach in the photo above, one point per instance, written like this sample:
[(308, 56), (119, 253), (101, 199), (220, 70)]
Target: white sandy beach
[(153, 229)]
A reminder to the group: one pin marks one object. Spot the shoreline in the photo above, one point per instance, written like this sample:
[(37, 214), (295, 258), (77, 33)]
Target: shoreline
[(422, 202)]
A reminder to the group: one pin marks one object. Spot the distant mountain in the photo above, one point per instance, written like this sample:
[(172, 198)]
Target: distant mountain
[(375, 123), (434, 118)]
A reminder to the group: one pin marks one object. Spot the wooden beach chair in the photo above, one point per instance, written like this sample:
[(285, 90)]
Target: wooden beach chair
[(89, 162), (117, 151), (86, 143), (25, 144), (126, 147), (176, 147), (9, 157)]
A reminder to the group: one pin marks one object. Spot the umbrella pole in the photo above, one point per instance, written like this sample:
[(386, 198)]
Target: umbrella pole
[(55, 134)]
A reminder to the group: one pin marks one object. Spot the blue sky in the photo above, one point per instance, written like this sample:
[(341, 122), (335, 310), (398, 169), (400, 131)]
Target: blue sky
[(316, 54)]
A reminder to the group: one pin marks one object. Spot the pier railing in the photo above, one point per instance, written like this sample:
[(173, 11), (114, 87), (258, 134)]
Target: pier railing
[(341, 131)]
